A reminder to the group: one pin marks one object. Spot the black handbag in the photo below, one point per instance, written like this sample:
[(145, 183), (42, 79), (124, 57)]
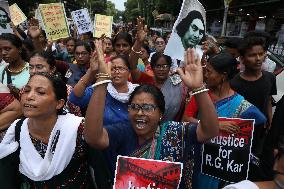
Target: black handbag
[(9, 165)]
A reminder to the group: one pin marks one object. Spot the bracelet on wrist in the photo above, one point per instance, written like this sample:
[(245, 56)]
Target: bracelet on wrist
[(103, 76), (200, 91), (101, 82), (136, 52), (99, 74)]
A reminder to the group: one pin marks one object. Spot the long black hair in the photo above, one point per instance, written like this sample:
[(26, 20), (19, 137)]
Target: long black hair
[(59, 87), (224, 63), (125, 36), (15, 41), (48, 56), (157, 56)]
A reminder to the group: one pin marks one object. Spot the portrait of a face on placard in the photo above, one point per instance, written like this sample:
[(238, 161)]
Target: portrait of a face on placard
[(188, 31), (5, 18)]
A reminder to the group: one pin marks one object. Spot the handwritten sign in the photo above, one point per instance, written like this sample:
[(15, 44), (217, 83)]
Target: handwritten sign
[(17, 15), (227, 156), (103, 25), (82, 20), (146, 173), (54, 20)]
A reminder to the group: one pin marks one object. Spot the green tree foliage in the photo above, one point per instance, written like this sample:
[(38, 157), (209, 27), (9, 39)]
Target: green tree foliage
[(110, 10), (168, 6), (98, 6), (132, 10), (144, 8)]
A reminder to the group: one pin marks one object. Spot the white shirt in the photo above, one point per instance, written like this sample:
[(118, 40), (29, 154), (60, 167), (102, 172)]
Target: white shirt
[(245, 184)]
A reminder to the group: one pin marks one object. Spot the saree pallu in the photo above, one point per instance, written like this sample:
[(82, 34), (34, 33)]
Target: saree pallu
[(173, 141), (234, 106)]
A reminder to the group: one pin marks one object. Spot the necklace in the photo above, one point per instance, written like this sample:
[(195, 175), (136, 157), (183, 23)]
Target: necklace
[(16, 72)]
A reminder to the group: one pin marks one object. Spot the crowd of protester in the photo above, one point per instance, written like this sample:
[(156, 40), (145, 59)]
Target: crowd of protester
[(68, 108)]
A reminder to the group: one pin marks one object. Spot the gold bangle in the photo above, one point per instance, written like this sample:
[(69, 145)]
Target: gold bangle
[(199, 89), (136, 52), (101, 82), (102, 76)]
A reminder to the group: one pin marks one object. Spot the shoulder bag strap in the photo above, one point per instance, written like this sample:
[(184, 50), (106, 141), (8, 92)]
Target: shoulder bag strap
[(17, 153), (3, 74), (9, 79), (18, 130)]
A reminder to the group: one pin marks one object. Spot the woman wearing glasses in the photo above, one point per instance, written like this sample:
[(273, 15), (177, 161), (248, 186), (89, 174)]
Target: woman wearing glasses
[(171, 86), (82, 54), (118, 94), (146, 136)]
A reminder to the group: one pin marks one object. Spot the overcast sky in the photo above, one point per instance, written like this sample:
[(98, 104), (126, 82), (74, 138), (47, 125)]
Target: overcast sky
[(119, 4)]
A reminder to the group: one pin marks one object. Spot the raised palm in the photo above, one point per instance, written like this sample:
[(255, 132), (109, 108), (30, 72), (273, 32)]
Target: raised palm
[(102, 66), (192, 74), (34, 28), (141, 34)]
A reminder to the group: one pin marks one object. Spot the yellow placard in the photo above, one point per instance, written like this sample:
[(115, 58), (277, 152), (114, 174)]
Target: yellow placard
[(54, 20), (102, 25), (17, 15)]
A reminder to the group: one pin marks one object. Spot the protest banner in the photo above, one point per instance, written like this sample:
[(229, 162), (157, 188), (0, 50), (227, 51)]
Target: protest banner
[(227, 156), (17, 15), (54, 20), (146, 173), (5, 18), (102, 25), (82, 20), (188, 30)]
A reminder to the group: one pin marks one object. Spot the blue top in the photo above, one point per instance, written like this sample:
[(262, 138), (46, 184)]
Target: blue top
[(115, 111), (19, 80), (173, 143), (232, 107), (75, 73)]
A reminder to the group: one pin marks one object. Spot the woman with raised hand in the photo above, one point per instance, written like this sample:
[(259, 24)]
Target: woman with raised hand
[(220, 69), (83, 52), (118, 91), (145, 136), (171, 86)]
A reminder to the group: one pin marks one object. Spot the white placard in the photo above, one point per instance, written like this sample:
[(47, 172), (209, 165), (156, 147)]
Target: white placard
[(188, 31), (82, 20)]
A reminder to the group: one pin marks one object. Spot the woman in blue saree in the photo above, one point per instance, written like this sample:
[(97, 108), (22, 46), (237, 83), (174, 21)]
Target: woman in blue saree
[(220, 69), (145, 136)]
